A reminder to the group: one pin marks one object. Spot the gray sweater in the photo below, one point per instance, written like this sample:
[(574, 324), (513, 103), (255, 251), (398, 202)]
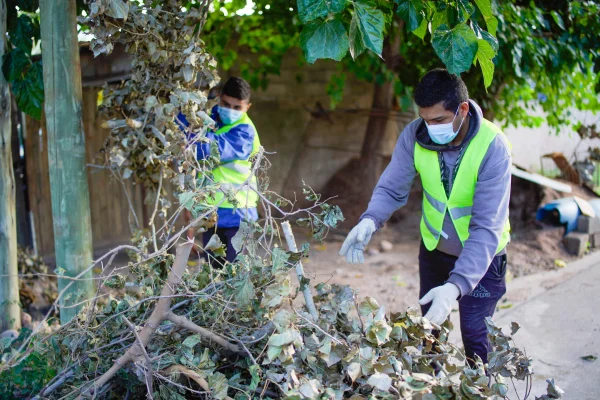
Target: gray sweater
[(490, 203)]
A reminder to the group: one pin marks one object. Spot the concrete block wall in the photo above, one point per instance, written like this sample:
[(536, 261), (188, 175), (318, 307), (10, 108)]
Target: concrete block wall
[(311, 147)]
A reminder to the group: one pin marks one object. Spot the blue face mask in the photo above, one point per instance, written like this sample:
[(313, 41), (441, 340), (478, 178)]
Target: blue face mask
[(229, 115), (444, 133)]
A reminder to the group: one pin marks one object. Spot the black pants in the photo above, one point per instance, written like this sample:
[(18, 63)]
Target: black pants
[(434, 270), (225, 234)]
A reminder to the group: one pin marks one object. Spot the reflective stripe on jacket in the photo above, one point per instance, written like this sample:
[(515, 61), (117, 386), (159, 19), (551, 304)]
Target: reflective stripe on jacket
[(233, 173)]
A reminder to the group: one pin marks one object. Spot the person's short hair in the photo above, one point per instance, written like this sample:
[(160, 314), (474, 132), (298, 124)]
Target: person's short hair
[(237, 88), (440, 86)]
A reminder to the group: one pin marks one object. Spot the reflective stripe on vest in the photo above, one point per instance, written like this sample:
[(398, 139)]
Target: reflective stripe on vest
[(233, 175), (459, 205)]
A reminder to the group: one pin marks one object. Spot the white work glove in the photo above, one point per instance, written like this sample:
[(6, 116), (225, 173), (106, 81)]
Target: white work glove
[(443, 298), (357, 240)]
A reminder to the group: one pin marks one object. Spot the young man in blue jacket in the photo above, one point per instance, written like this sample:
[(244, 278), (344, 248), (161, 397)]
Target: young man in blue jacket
[(237, 140), (464, 163)]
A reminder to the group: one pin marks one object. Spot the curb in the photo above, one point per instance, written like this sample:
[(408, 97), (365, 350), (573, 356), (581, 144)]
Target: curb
[(532, 286)]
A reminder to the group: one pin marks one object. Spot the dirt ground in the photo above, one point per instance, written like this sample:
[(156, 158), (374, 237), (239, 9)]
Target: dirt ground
[(392, 276)]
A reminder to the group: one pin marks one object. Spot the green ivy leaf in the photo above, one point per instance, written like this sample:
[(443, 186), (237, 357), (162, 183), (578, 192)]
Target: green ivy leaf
[(309, 10), (465, 10), (186, 199), (354, 371), (21, 36), (490, 39), (191, 341), (456, 47), (117, 9), (485, 8), (439, 18), (411, 11), (500, 389), (366, 29), (331, 216), (492, 25), (327, 39), (380, 381), (558, 19), (274, 293), (245, 293), (282, 339), (218, 385), (514, 327), (421, 30), (115, 282), (243, 234), (357, 46), (485, 54), (255, 373), (379, 332), (29, 91), (273, 352), (368, 306), (482, 34), (15, 64)]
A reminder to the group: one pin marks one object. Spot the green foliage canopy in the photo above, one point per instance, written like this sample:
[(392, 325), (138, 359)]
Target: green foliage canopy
[(24, 74), (516, 57)]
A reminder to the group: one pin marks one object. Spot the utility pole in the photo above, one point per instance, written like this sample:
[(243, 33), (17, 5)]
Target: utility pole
[(10, 308), (66, 158)]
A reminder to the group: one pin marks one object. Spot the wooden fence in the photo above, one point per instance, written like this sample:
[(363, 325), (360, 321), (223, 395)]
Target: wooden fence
[(110, 211)]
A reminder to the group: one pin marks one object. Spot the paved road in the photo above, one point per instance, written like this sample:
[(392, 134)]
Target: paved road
[(558, 327)]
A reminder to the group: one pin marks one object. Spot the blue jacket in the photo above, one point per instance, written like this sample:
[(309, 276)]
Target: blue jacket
[(236, 144)]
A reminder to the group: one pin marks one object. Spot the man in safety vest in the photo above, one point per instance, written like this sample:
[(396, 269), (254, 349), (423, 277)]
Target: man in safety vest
[(464, 163), (237, 140)]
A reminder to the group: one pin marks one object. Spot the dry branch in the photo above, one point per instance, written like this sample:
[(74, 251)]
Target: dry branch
[(291, 243), (137, 352), (149, 372), (187, 324)]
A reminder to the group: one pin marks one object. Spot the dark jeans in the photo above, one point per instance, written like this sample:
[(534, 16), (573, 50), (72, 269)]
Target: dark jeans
[(434, 270), (225, 234)]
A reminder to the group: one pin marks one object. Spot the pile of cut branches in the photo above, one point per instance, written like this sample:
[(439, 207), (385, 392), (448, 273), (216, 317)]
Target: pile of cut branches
[(243, 332)]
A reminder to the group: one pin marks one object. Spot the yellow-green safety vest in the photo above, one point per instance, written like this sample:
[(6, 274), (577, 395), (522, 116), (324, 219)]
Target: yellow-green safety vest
[(435, 202), (233, 174)]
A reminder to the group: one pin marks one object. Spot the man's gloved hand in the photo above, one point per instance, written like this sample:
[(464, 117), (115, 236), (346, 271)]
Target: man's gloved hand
[(442, 298), (357, 240)]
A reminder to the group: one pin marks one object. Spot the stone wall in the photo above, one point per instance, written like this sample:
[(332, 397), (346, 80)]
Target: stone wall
[(310, 142)]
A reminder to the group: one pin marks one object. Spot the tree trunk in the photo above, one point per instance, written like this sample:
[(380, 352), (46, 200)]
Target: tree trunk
[(66, 151), (383, 100), (10, 312), (353, 185), (370, 155)]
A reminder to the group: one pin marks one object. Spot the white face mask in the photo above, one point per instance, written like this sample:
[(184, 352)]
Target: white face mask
[(444, 133), (229, 115)]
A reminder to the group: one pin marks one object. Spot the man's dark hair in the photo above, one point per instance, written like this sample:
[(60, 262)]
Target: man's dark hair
[(440, 86), (237, 88)]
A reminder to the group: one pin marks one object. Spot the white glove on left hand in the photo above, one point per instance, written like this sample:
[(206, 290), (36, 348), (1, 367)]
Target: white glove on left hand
[(441, 298)]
